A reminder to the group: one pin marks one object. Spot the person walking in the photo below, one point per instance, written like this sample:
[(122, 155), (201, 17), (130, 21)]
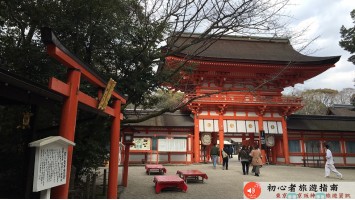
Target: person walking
[(256, 161), (250, 148), (214, 153), (231, 151), (329, 165), (225, 157), (243, 157)]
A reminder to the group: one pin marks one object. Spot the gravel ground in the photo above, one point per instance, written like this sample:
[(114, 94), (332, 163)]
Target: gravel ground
[(221, 184)]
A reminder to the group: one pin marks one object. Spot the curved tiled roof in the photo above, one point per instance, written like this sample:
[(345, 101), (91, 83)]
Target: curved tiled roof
[(176, 119), (321, 123), (248, 49)]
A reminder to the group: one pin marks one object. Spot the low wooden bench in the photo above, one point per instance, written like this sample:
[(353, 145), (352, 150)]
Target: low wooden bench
[(155, 167), (194, 174), (162, 182)]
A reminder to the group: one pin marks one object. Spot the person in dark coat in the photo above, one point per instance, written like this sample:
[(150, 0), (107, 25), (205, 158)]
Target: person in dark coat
[(230, 151), (214, 154), (225, 157), (244, 158)]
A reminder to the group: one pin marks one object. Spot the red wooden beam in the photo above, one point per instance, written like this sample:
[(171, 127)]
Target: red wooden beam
[(63, 88), (71, 63)]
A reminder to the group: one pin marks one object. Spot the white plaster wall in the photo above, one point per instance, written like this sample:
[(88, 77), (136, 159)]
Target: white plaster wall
[(163, 158), (296, 159), (338, 160), (180, 158), (189, 157), (350, 160), (252, 114), (241, 114), (136, 157), (229, 113), (153, 157), (267, 114), (204, 112), (214, 113)]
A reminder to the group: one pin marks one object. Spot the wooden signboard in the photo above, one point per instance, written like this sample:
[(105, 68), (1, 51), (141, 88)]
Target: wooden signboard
[(50, 168)]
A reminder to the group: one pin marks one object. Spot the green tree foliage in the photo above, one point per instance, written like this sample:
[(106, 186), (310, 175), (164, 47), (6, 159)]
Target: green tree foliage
[(348, 38), (92, 146)]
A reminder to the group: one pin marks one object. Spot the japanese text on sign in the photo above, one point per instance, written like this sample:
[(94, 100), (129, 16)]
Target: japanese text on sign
[(51, 167)]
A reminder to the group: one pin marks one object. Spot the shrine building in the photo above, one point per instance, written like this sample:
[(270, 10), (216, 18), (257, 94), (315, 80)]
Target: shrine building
[(233, 86)]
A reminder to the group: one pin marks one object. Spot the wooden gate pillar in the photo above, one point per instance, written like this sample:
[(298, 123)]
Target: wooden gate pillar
[(196, 144), (285, 140), (114, 149), (67, 127)]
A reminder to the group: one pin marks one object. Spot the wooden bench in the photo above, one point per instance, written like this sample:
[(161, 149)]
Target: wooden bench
[(315, 161), (192, 175), (162, 182), (156, 168)]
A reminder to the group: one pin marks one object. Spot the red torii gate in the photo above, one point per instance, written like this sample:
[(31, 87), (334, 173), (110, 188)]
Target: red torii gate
[(73, 95)]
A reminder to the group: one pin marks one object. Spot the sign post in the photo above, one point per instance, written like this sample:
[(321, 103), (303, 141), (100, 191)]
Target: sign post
[(50, 168)]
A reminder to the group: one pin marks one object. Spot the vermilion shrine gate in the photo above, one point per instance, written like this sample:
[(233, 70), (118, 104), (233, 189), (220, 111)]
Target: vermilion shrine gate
[(238, 83), (71, 90)]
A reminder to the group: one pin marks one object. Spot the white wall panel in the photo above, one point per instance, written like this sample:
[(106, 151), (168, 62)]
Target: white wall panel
[(252, 114), (229, 113), (265, 127), (241, 114), (251, 128), (231, 126), (267, 114), (241, 128), (272, 126), (279, 128), (179, 157), (208, 125), (204, 112), (215, 123), (350, 160), (276, 115), (296, 159), (339, 160), (189, 158), (214, 113), (201, 125)]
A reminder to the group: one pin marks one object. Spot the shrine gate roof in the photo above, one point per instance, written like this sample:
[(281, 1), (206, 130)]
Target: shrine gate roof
[(176, 119), (246, 49), (321, 123), (341, 110)]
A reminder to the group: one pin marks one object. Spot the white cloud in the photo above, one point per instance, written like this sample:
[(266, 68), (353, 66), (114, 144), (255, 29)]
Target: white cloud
[(326, 17)]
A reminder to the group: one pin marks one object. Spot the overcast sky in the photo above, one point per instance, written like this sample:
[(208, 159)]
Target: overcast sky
[(326, 17)]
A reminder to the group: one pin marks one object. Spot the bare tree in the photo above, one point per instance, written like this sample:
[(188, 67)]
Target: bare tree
[(344, 96), (209, 20)]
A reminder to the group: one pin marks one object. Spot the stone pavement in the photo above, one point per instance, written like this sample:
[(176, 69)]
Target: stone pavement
[(222, 184)]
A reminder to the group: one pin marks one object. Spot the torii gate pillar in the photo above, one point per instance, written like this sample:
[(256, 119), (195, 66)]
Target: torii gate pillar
[(67, 127)]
